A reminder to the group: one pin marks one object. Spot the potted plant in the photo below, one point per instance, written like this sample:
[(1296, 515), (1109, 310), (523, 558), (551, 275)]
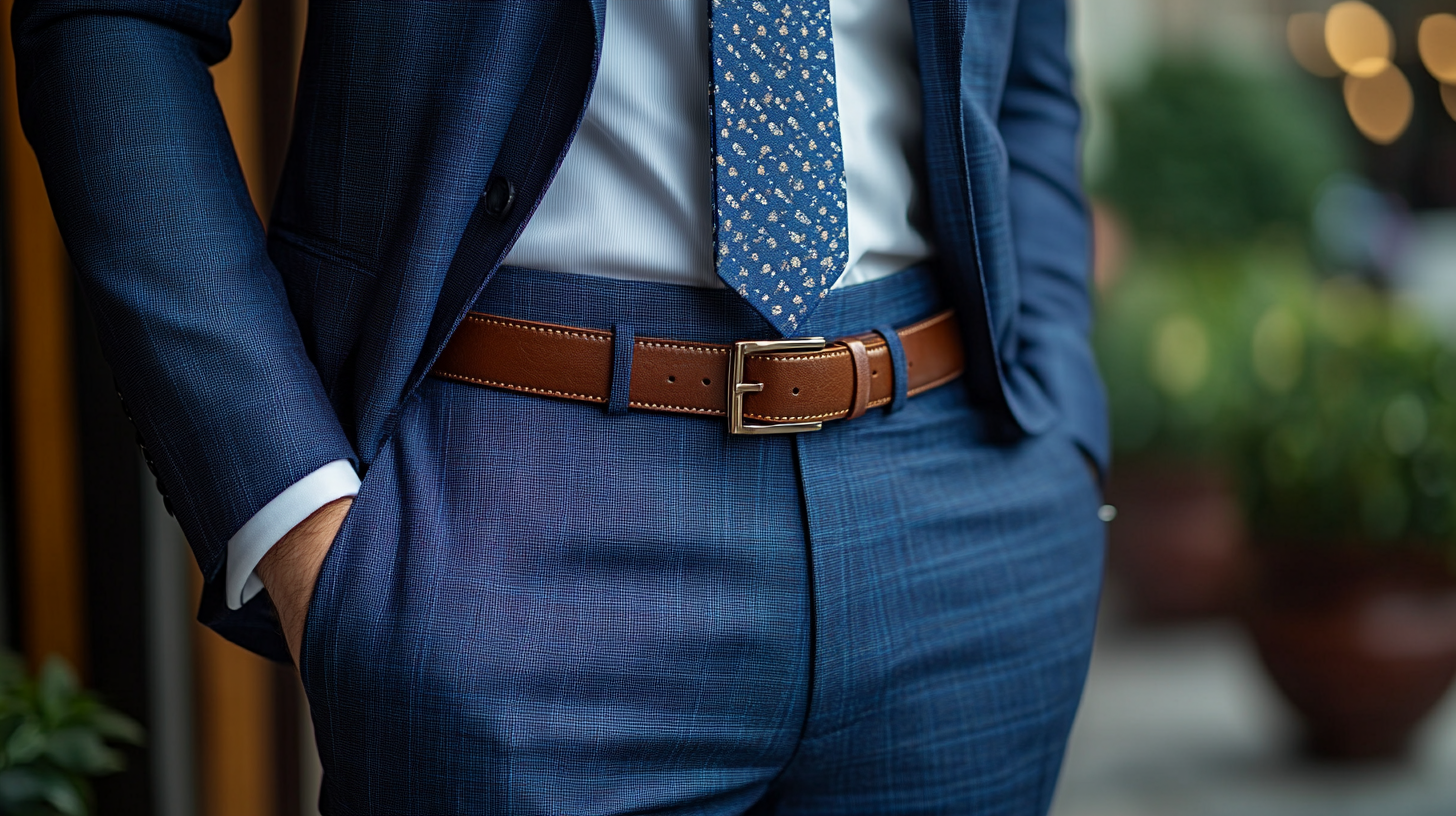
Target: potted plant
[(1347, 468), (53, 737), (1215, 171), (1178, 379)]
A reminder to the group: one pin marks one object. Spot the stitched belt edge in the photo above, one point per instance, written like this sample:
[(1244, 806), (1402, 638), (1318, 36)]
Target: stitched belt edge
[(686, 377)]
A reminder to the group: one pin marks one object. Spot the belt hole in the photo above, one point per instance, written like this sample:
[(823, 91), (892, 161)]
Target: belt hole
[(796, 391), (874, 373), (671, 378), (707, 381)]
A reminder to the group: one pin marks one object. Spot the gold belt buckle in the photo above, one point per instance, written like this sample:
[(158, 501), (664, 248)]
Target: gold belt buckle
[(738, 389)]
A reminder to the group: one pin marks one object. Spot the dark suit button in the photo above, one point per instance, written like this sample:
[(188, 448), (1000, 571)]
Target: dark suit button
[(500, 196)]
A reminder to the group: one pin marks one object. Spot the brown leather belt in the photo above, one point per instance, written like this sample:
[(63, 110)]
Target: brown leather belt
[(763, 386)]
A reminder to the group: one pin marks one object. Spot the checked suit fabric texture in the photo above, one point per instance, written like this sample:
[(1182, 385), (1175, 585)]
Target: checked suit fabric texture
[(890, 616), (377, 246)]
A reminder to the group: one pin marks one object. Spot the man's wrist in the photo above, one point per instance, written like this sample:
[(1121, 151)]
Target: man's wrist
[(304, 546), (271, 523), (291, 568)]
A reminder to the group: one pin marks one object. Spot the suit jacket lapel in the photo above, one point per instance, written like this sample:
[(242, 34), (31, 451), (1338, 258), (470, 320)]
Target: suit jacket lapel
[(940, 41)]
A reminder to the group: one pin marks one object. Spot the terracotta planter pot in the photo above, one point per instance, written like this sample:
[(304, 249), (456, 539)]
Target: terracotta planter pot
[(1176, 548), (1362, 646)]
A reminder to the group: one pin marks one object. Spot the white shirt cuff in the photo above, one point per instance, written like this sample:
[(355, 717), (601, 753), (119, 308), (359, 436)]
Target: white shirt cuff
[(254, 539)]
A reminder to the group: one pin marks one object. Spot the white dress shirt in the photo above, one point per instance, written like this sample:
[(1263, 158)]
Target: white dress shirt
[(637, 179), (633, 199)]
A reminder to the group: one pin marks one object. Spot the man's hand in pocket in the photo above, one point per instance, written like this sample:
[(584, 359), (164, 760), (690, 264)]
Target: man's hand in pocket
[(290, 570)]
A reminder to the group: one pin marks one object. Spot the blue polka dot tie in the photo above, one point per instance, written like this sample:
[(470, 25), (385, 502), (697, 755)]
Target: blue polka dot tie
[(780, 225)]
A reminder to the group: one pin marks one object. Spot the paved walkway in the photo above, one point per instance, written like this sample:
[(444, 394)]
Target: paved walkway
[(1182, 722)]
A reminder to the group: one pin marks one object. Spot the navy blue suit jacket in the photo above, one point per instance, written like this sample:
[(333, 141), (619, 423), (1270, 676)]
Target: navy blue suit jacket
[(249, 359)]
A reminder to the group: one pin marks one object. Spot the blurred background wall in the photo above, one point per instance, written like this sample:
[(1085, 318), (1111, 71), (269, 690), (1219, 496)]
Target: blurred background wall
[(94, 569)]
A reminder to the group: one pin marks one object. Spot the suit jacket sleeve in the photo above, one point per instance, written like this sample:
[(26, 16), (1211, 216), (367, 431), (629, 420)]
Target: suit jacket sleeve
[(1040, 122), (116, 98)]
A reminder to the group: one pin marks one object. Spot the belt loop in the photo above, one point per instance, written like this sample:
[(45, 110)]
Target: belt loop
[(898, 365), (622, 341), (860, 359)]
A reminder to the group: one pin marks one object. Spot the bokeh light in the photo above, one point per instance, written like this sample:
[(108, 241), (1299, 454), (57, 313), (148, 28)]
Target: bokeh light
[(1306, 35), (1381, 106), (1437, 42), (1278, 349), (1359, 39), (1179, 356)]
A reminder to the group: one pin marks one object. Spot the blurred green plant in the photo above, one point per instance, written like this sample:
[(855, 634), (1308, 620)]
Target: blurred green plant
[(53, 738), (1216, 172), (1173, 342), (1209, 157), (1333, 405), (1351, 440)]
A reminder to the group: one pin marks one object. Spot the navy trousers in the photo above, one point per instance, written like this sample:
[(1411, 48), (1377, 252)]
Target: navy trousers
[(539, 607)]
